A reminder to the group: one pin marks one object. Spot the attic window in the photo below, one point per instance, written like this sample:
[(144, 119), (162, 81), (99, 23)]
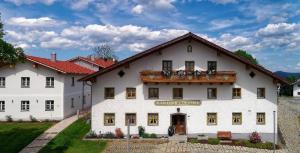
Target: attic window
[(252, 74), (121, 73), (189, 48)]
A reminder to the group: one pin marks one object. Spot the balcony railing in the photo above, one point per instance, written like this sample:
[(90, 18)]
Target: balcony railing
[(181, 76)]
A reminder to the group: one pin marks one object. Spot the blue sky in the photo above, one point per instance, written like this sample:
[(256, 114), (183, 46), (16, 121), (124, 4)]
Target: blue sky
[(270, 30)]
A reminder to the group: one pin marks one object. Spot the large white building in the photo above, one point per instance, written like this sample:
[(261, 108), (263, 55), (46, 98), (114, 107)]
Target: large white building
[(43, 89), (187, 82), (296, 88)]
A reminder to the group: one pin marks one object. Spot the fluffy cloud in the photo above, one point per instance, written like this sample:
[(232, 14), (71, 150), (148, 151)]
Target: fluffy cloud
[(33, 22), (278, 29), (20, 2), (59, 43), (80, 4), (138, 9)]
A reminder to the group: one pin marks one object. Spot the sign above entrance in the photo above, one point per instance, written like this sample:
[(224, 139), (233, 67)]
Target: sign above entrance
[(178, 103)]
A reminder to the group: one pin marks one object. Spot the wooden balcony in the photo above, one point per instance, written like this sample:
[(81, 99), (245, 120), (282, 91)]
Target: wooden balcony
[(219, 77)]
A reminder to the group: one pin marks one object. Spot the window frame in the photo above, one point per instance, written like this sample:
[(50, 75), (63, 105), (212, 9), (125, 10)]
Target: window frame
[(25, 82), (128, 92), (216, 93), (264, 93), (188, 65), (150, 96), (181, 92), (25, 105), (156, 117), (236, 94), (135, 119), (2, 82), (264, 118), (208, 120), (50, 82), (107, 93), (2, 106), (113, 115), (169, 66), (49, 106), (209, 64), (233, 118)]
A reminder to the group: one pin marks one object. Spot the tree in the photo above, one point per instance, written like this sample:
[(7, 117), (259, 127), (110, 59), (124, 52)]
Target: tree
[(246, 55), (286, 89), (104, 51), (1, 29)]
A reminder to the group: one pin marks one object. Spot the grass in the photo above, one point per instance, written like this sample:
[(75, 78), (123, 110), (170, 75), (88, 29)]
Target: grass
[(15, 136), (70, 140)]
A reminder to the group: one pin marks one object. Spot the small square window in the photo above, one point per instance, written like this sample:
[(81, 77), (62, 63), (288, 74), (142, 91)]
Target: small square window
[(25, 106), (130, 93), (236, 118), (212, 119), (211, 93), (153, 93), (166, 65), (49, 82), (109, 93), (261, 93), (152, 119), (49, 105), (25, 82), (2, 82), (2, 106), (130, 118), (109, 119), (212, 66), (236, 93), (177, 93), (260, 118)]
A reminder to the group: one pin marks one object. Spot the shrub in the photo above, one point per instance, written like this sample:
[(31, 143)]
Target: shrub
[(255, 137), (153, 135), (32, 119), (119, 133), (146, 135), (9, 118), (213, 141), (260, 145), (193, 140), (91, 134), (20, 120), (109, 135), (141, 131)]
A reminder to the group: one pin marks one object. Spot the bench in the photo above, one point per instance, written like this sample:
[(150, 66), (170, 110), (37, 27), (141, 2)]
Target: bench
[(224, 135)]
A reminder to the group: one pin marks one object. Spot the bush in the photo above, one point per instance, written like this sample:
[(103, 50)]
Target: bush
[(141, 131), (153, 135), (146, 135), (260, 145), (20, 120), (91, 134), (119, 133), (213, 141), (109, 135), (193, 140), (255, 137), (9, 118), (32, 119)]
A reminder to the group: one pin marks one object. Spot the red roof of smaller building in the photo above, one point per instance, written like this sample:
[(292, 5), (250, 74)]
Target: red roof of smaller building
[(97, 61), (61, 66)]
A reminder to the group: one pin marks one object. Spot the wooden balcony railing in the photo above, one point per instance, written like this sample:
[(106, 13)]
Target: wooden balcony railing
[(219, 77)]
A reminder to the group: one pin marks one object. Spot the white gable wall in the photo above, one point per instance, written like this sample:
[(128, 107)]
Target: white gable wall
[(296, 89)]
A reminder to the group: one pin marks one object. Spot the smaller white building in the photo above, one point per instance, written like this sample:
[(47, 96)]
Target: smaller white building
[(92, 62), (296, 88)]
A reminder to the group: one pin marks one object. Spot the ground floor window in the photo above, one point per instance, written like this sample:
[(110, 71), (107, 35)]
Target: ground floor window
[(236, 118), (261, 118), (211, 118), (236, 93), (298, 93), (109, 119), (24, 105), (2, 106), (130, 118), (49, 105), (152, 119)]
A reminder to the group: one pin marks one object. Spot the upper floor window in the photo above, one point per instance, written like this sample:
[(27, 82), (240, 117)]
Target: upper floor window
[(24, 105), (2, 82), (2, 106), (211, 93), (109, 93), (189, 48), (130, 118), (49, 82), (109, 119), (73, 81), (260, 118), (212, 66), (177, 93), (49, 105), (167, 65), (153, 93), (236, 118), (25, 82), (261, 93), (130, 93), (236, 93), (189, 65), (152, 119), (212, 119)]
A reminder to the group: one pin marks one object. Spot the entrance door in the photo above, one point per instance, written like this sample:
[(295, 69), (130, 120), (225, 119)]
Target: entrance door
[(179, 122)]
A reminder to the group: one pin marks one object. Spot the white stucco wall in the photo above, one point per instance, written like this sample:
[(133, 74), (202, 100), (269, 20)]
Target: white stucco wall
[(296, 89), (224, 105), (86, 64)]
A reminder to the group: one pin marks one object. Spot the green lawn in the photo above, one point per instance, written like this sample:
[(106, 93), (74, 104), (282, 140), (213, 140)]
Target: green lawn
[(15, 136), (70, 140)]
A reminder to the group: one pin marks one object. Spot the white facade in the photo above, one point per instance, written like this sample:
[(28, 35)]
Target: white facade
[(296, 89), (37, 93), (196, 116)]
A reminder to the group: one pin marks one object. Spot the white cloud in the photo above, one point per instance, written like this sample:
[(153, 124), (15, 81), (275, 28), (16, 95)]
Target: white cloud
[(59, 43), (221, 24), (278, 29), (20, 2), (138, 9), (34, 22), (137, 47), (80, 4), (224, 1)]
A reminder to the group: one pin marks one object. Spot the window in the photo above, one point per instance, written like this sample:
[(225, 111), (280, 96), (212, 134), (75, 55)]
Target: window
[(212, 66), (49, 82), (153, 93), (72, 102), (130, 118), (152, 119), (24, 106), (2, 82), (236, 93), (298, 93), (236, 118), (2, 106), (211, 118), (25, 82), (167, 66), (260, 92), (109, 93), (260, 118), (189, 48), (177, 93), (73, 81), (298, 84), (109, 119), (49, 105), (189, 65), (130, 93), (211, 93)]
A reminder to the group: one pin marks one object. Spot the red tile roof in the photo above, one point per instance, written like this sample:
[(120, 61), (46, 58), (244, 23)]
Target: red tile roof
[(61, 66), (97, 61)]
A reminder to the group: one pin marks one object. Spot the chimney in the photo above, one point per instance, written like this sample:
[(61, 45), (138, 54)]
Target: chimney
[(53, 57)]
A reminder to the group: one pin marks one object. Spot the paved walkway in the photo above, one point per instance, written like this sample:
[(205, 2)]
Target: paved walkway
[(42, 140)]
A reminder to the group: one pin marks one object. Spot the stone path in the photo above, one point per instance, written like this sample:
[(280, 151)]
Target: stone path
[(42, 140)]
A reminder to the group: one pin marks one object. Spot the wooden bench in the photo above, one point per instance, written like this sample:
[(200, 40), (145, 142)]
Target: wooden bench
[(224, 135)]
